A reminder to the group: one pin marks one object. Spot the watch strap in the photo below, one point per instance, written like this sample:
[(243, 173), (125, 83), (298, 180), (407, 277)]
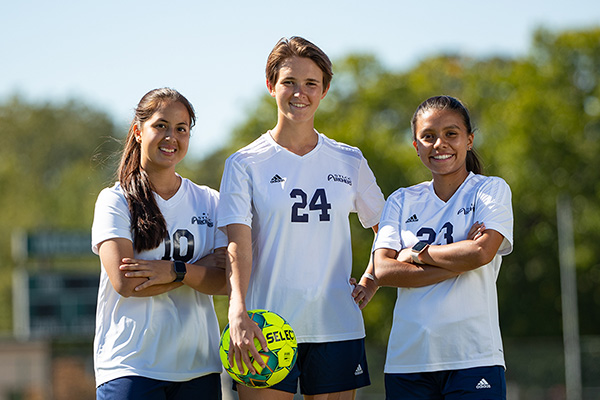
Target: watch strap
[(415, 257), (180, 270)]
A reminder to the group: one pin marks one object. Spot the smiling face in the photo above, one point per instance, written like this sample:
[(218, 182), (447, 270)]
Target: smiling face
[(298, 90), (442, 140), (164, 137)]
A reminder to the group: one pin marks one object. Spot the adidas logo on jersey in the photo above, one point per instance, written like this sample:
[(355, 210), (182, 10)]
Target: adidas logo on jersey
[(483, 384), (413, 218), (277, 179), (359, 370)]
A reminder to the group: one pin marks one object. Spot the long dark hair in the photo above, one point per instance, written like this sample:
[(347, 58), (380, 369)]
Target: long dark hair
[(147, 222), (450, 103)]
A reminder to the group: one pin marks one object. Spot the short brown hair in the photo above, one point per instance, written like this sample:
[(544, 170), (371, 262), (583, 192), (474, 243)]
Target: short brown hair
[(299, 47)]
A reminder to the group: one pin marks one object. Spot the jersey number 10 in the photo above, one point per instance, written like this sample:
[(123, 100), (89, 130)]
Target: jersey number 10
[(179, 252)]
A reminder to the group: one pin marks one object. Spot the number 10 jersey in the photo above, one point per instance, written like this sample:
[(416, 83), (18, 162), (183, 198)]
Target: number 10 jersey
[(298, 209)]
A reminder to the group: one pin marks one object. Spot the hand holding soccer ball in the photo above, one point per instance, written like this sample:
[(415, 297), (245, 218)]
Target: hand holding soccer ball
[(279, 358)]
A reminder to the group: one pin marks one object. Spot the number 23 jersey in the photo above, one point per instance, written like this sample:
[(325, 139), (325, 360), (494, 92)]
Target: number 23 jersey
[(452, 324), (298, 209)]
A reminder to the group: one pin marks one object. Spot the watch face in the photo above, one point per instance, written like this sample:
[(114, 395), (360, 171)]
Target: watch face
[(419, 246), (180, 267)]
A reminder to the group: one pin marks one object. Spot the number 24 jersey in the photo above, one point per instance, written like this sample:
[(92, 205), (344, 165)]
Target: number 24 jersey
[(298, 209)]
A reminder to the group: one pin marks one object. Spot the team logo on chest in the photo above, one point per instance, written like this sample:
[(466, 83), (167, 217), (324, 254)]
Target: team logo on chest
[(340, 178), (466, 210), (203, 219)]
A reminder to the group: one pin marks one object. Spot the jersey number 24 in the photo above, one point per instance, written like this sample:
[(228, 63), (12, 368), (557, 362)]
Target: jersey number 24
[(318, 202)]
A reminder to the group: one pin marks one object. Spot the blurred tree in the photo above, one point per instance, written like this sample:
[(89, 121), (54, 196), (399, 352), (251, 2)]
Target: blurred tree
[(538, 120), (552, 125), (54, 159)]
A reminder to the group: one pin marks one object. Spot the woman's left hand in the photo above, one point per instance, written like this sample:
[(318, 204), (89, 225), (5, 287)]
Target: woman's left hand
[(476, 231), (156, 272), (364, 291)]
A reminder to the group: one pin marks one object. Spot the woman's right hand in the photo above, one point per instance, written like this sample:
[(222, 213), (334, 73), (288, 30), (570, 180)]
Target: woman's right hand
[(242, 332), (405, 255)]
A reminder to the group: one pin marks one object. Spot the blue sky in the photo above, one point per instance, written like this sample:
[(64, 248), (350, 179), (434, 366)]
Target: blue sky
[(109, 53)]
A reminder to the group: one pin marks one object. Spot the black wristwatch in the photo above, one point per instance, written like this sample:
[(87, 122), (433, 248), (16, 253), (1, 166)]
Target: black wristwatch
[(180, 270), (418, 249)]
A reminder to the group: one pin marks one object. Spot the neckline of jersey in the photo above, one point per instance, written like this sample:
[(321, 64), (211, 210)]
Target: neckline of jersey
[(286, 151), (469, 176)]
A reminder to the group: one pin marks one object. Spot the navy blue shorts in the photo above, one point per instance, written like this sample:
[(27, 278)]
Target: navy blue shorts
[(141, 388), (328, 368), (480, 383)]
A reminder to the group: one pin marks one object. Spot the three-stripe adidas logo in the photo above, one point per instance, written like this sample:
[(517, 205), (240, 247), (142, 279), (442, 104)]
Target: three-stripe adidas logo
[(277, 179), (413, 218), (483, 384)]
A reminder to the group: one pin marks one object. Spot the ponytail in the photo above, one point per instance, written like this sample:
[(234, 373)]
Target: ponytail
[(474, 163), (148, 225)]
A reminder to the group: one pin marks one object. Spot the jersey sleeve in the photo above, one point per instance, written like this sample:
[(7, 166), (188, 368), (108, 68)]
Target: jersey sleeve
[(235, 203), (494, 208), (111, 218), (369, 201), (388, 236)]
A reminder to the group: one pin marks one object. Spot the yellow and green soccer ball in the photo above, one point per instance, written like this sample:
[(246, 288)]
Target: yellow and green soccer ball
[(280, 357)]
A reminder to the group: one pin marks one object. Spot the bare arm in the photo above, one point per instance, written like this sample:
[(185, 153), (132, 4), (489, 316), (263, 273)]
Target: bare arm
[(207, 275), (242, 330), (465, 255), (389, 271), (112, 253), (366, 287)]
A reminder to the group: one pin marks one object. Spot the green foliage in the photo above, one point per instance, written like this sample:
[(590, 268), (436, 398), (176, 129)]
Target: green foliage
[(47, 160), (49, 173), (538, 121)]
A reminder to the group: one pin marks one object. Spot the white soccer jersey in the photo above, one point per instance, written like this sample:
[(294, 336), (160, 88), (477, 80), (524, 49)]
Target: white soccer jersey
[(452, 324), (298, 209), (173, 336)]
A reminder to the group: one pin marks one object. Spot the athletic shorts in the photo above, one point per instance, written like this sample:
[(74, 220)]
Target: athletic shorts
[(327, 368), (480, 383), (141, 388)]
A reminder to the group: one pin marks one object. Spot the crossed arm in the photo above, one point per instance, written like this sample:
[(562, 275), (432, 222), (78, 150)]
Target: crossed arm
[(132, 277), (441, 262)]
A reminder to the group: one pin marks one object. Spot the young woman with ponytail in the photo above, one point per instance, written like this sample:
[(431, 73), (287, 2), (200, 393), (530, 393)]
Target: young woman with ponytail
[(157, 335), (441, 243)]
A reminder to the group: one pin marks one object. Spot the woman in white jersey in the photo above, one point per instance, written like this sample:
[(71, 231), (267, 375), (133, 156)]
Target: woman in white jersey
[(285, 202), (157, 335), (440, 242)]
